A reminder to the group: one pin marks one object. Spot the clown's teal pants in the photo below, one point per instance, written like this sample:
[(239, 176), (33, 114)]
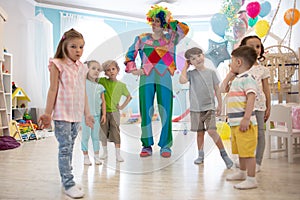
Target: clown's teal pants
[(162, 86)]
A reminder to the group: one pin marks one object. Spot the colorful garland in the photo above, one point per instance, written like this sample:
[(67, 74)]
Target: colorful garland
[(160, 12)]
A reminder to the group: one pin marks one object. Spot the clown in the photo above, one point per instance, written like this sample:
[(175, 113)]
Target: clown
[(157, 53)]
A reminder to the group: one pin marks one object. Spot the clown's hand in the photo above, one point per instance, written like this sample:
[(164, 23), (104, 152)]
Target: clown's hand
[(138, 72)]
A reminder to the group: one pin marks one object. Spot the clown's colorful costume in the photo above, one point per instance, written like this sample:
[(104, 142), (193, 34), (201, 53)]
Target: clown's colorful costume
[(158, 65)]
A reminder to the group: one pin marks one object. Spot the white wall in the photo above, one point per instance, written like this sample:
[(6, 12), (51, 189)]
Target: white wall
[(15, 36)]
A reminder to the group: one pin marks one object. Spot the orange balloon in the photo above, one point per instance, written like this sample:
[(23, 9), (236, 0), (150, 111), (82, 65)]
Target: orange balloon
[(289, 18)]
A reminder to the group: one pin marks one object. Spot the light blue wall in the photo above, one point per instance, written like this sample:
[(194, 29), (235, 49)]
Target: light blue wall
[(122, 28)]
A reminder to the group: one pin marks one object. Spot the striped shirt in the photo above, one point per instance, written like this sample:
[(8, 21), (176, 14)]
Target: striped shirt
[(70, 100), (242, 85)]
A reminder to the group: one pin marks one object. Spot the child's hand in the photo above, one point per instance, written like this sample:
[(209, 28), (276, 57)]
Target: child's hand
[(103, 119), (89, 121), (44, 121), (267, 114), (244, 125), (187, 64), (119, 107)]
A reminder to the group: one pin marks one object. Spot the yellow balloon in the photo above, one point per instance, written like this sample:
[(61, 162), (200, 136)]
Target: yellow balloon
[(261, 28), (223, 130)]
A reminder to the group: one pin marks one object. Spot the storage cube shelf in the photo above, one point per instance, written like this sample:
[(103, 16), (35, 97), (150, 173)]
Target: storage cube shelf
[(5, 93)]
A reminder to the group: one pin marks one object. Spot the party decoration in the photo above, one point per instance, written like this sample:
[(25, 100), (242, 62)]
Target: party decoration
[(223, 129), (289, 18), (252, 21), (261, 28), (217, 52), (243, 16), (230, 8), (180, 61), (265, 9), (239, 28), (219, 23), (253, 9)]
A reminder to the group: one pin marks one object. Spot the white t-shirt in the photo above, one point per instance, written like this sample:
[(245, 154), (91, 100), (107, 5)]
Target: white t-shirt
[(260, 72)]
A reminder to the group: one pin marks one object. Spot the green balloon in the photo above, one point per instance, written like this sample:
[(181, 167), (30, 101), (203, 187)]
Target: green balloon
[(252, 21)]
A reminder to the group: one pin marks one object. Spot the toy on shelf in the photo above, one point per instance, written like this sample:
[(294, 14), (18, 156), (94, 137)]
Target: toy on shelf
[(19, 98)]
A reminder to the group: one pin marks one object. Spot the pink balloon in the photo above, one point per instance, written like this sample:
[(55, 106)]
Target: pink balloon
[(253, 9)]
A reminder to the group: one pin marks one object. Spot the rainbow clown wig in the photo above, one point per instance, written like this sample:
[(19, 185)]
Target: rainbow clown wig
[(160, 12)]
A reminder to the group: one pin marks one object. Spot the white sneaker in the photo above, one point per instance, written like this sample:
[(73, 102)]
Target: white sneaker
[(74, 192), (257, 168), (247, 184), (199, 160), (237, 176), (103, 156), (97, 161), (237, 164), (119, 158), (87, 161)]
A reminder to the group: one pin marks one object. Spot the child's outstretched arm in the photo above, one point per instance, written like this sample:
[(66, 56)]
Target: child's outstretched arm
[(103, 108), (183, 76), (89, 119), (219, 99), (45, 119), (125, 103)]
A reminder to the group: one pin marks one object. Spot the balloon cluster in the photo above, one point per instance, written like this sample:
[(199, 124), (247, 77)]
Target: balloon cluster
[(232, 23)]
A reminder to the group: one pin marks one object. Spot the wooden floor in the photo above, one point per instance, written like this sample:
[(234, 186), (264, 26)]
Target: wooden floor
[(30, 172)]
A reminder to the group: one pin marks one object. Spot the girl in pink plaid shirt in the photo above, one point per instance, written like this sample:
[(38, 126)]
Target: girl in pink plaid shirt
[(66, 103)]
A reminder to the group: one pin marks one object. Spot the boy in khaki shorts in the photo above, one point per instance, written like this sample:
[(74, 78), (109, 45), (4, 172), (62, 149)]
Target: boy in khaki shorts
[(114, 90), (204, 86), (241, 118)]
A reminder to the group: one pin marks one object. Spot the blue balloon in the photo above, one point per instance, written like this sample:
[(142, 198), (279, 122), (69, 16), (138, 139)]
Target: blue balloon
[(219, 24), (265, 9)]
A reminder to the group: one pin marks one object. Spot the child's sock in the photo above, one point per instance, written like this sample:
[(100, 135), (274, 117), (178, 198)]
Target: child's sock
[(200, 158), (104, 155), (87, 160), (226, 158), (118, 155)]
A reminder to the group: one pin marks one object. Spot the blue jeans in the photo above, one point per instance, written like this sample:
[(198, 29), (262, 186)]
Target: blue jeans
[(66, 133)]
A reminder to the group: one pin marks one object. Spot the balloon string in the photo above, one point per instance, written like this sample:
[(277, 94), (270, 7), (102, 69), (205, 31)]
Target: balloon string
[(278, 6), (290, 27)]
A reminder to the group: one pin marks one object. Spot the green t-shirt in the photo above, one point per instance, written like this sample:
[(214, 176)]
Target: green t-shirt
[(114, 90)]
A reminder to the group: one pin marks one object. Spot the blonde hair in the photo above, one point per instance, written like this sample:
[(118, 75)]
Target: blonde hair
[(108, 63)]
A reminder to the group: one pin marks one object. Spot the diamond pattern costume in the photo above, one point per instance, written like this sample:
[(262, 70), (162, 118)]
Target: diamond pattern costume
[(158, 65)]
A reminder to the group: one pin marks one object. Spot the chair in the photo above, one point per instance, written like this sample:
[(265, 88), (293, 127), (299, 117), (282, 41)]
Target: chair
[(279, 125)]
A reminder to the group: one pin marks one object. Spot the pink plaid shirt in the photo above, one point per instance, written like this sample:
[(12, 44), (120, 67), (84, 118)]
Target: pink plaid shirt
[(70, 100)]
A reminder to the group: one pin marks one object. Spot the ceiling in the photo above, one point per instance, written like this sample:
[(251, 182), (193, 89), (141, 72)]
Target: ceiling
[(138, 8)]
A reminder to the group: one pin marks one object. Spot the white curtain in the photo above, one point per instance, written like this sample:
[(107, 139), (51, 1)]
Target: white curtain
[(40, 49), (68, 21), (94, 30)]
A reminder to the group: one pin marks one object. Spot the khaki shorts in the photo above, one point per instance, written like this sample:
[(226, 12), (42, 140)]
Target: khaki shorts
[(110, 131), (203, 121), (244, 143)]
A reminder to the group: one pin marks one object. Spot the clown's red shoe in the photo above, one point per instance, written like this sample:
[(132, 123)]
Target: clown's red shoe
[(146, 151)]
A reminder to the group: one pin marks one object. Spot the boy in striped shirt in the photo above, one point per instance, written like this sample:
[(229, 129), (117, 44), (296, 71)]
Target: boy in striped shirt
[(242, 89)]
